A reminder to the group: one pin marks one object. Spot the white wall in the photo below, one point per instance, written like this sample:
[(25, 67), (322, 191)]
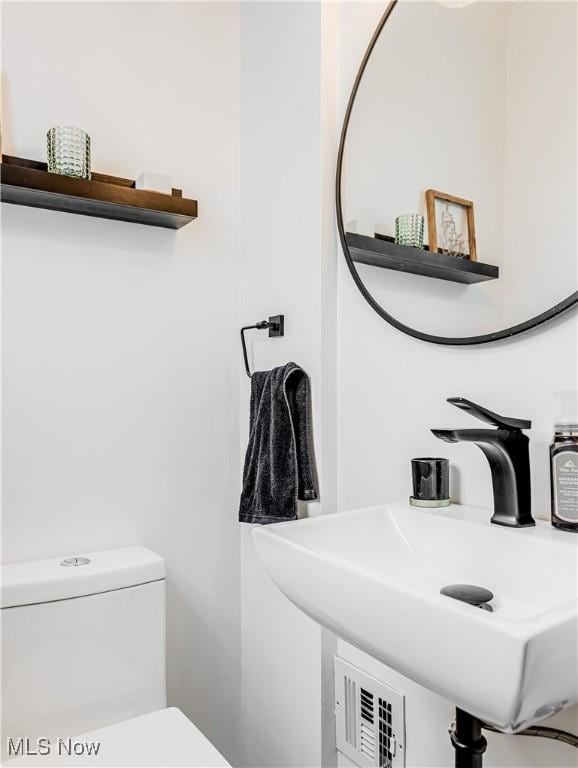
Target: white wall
[(541, 194), (287, 260), (392, 390), (121, 351)]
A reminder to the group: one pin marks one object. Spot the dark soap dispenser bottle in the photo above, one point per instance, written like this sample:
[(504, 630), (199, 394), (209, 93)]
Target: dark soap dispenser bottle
[(564, 475)]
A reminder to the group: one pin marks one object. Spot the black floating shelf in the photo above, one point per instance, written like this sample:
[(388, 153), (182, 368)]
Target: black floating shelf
[(27, 182), (383, 252)]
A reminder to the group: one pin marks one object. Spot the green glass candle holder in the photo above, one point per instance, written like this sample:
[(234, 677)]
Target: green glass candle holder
[(409, 229), (68, 151)]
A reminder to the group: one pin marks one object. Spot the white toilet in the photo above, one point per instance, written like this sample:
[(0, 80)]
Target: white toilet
[(83, 658)]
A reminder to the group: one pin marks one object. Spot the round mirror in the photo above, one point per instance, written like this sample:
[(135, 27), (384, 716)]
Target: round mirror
[(456, 182)]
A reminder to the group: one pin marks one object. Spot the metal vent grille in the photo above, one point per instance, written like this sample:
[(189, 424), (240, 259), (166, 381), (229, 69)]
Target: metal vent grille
[(386, 743), (370, 719), (367, 732), (367, 745), (350, 691), (367, 705)]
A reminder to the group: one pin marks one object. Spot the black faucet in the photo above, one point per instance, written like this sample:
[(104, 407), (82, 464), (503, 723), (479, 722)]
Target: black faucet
[(507, 450)]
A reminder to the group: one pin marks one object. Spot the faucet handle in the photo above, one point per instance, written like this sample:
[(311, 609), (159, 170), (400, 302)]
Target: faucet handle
[(484, 414)]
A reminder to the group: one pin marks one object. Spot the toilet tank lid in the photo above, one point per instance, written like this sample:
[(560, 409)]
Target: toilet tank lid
[(62, 578)]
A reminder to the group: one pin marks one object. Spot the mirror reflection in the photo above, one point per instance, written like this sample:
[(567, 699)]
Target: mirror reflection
[(459, 185)]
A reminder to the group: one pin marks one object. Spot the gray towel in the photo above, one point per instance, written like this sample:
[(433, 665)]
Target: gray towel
[(280, 462)]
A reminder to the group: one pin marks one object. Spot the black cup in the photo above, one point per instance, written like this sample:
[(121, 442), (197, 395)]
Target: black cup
[(431, 481)]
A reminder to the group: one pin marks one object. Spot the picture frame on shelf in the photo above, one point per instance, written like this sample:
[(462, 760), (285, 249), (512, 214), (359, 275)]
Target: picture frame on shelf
[(451, 226)]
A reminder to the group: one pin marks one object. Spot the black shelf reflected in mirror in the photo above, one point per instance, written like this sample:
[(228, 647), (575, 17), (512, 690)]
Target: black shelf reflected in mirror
[(381, 251)]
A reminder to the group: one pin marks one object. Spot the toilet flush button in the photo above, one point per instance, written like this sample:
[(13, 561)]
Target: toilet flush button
[(74, 561)]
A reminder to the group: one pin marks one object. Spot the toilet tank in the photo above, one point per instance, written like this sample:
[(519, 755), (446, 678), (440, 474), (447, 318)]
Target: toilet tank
[(83, 643)]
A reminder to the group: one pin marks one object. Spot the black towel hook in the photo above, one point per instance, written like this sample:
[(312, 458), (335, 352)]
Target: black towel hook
[(276, 326)]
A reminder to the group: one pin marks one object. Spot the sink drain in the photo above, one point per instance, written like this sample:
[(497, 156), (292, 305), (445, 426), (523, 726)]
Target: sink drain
[(469, 593)]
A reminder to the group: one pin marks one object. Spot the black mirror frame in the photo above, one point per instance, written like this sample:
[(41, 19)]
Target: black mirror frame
[(555, 311)]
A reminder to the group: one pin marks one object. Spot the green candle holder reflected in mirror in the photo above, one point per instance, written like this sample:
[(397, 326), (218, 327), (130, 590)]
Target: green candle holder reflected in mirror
[(409, 229)]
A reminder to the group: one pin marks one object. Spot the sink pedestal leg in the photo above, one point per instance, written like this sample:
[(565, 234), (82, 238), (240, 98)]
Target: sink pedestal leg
[(468, 741)]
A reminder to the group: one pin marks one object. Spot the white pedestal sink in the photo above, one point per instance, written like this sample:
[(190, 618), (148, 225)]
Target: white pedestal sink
[(373, 576)]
